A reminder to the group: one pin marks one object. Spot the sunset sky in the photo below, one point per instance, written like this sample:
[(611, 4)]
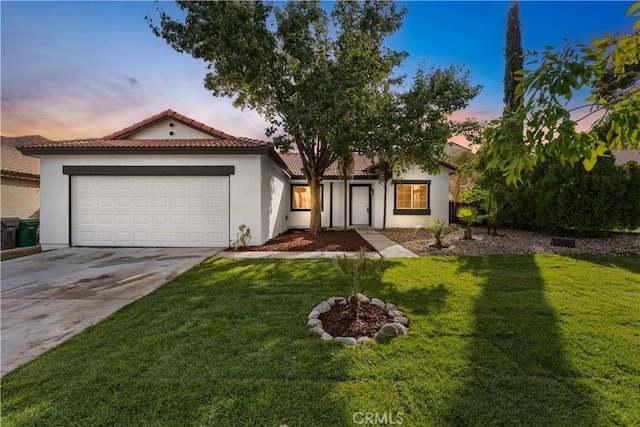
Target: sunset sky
[(86, 69)]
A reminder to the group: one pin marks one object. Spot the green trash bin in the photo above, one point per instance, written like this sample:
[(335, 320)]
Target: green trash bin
[(28, 233)]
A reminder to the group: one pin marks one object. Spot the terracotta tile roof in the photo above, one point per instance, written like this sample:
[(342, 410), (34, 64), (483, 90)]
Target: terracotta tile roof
[(361, 163), (363, 167), (626, 156), (143, 144), (163, 115), (17, 165)]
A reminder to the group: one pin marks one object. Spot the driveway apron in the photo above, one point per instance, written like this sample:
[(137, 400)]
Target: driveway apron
[(49, 297)]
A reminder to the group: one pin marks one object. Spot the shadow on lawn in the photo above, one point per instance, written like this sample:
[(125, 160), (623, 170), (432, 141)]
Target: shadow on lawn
[(518, 371), (630, 263), (224, 344)]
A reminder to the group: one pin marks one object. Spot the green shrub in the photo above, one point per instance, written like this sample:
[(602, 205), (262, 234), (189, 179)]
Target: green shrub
[(437, 229), (566, 199)]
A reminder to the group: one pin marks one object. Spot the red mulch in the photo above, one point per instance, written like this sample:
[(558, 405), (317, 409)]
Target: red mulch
[(325, 240), (339, 321)]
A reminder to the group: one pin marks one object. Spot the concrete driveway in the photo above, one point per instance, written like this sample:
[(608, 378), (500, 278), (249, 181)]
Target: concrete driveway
[(49, 297)]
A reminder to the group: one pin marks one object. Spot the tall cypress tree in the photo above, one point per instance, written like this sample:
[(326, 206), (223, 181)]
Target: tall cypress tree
[(514, 58)]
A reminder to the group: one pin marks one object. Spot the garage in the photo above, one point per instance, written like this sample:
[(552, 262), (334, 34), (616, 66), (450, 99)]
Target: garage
[(149, 211), (166, 181)]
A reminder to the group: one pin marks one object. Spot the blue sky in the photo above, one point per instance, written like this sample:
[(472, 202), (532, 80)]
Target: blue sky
[(86, 69)]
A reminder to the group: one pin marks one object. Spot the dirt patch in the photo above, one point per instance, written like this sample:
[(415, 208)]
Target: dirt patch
[(339, 321), (325, 241), (511, 241)]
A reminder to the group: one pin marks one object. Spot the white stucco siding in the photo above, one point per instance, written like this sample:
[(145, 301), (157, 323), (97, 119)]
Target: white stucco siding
[(164, 129), (300, 219), (438, 202), (438, 199), (244, 189), (275, 199), (54, 204)]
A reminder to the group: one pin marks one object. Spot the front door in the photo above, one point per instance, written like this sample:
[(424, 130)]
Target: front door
[(360, 206)]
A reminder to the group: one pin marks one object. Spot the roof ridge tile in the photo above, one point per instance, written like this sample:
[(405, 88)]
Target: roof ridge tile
[(164, 114)]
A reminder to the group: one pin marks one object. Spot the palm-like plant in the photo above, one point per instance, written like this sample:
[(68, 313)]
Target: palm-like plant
[(437, 229), (357, 270), (469, 216)]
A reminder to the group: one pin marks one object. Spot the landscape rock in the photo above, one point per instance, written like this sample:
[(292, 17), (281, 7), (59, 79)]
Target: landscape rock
[(323, 307), (312, 323), (314, 314), (334, 300), (402, 320), (396, 313), (362, 298), (341, 301), (317, 330), (390, 331), (390, 307), (326, 337), (363, 339), (378, 302), (400, 329), (510, 241), (346, 340)]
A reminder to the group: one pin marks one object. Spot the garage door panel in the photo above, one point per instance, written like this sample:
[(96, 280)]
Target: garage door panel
[(150, 211)]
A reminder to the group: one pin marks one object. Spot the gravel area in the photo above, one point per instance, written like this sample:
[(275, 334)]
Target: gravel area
[(511, 242)]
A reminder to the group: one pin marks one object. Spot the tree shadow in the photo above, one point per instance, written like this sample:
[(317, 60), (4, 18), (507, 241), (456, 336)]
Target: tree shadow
[(518, 372), (630, 263), (223, 344)]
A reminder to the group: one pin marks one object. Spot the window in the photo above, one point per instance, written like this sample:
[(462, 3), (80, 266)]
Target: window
[(412, 198), (301, 197)]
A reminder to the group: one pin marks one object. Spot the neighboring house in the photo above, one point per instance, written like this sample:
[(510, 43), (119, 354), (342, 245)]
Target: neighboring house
[(453, 148), (20, 178), (172, 181), (458, 155), (625, 156)]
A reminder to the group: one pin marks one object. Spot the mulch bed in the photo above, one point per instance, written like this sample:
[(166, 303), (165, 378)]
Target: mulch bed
[(325, 241), (339, 321)]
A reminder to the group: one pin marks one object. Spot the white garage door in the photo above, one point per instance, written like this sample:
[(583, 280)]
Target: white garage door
[(169, 211)]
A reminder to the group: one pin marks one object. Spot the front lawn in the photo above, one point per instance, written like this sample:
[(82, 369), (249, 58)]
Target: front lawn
[(502, 340)]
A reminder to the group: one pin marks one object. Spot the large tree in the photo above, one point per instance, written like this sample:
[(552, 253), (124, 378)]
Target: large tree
[(551, 122), (412, 128), (311, 83), (514, 58)]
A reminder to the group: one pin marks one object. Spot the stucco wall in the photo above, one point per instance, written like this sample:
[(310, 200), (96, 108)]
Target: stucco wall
[(275, 199), (163, 129), (245, 186), (300, 219), (20, 198), (439, 202)]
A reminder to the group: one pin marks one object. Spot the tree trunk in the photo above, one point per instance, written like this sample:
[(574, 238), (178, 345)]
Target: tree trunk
[(384, 209), (344, 189), (316, 205), (489, 208)]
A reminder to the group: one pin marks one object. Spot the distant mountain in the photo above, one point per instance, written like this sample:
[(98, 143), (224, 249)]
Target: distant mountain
[(14, 141)]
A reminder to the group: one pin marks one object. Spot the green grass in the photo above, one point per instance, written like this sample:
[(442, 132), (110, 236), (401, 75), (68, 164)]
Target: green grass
[(501, 340), (26, 252)]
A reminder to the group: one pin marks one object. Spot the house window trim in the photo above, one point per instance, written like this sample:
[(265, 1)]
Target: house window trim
[(405, 211), (305, 185)]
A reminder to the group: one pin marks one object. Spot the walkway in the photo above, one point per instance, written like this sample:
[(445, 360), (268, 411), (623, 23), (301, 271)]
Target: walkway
[(384, 247)]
